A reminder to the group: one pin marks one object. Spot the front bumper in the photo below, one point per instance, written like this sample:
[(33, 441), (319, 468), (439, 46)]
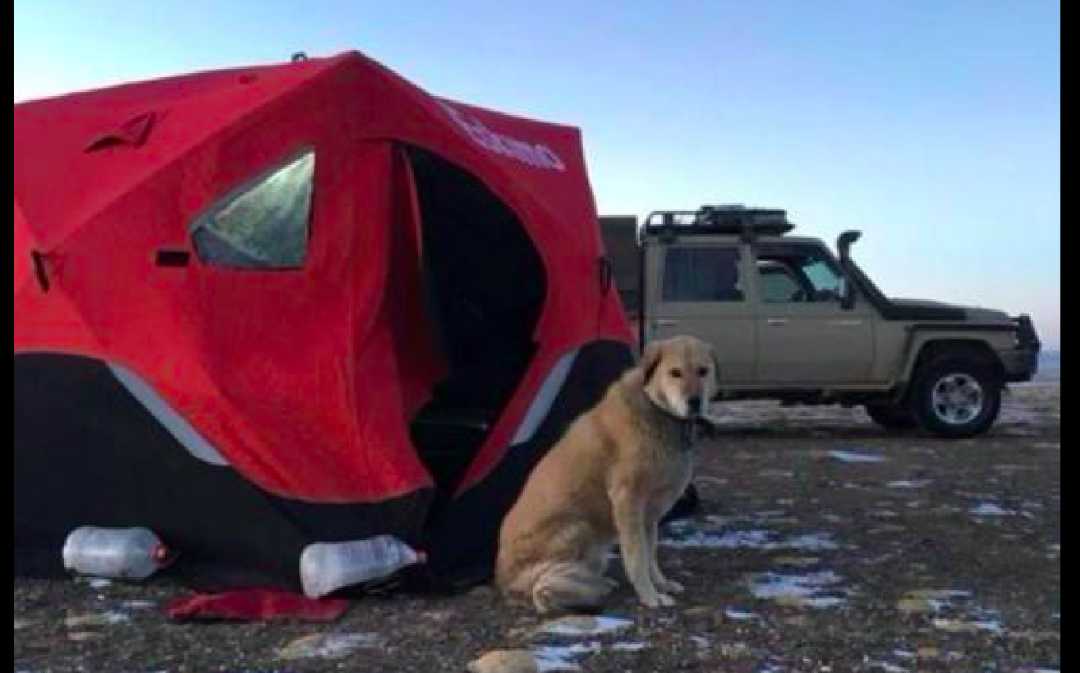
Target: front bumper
[(1023, 363)]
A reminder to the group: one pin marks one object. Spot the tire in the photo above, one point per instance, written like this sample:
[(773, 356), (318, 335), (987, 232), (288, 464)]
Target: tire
[(958, 396), (893, 418)]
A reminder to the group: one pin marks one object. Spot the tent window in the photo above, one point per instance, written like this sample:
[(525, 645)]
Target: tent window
[(265, 225)]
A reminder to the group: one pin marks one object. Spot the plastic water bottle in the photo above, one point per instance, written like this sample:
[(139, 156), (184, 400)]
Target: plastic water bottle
[(133, 555), (328, 568)]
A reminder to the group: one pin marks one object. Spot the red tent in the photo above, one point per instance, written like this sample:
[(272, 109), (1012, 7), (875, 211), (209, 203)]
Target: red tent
[(265, 308)]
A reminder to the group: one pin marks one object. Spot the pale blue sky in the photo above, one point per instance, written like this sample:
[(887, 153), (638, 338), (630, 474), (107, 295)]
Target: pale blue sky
[(935, 125)]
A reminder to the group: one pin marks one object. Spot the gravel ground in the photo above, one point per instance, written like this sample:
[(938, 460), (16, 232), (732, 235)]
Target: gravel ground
[(826, 546)]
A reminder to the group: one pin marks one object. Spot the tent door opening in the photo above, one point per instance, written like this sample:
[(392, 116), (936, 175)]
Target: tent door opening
[(485, 285)]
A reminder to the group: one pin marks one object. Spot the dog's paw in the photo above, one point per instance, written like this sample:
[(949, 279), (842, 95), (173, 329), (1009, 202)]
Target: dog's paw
[(659, 602), (671, 587)]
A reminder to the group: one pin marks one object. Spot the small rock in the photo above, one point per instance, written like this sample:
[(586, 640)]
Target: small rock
[(331, 647), (507, 662)]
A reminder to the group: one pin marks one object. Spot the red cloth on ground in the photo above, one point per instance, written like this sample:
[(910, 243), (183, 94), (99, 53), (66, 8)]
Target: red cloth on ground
[(256, 606)]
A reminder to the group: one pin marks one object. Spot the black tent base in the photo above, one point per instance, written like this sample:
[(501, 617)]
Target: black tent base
[(87, 453)]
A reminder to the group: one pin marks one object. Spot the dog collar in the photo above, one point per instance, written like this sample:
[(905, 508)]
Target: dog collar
[(687, 428)]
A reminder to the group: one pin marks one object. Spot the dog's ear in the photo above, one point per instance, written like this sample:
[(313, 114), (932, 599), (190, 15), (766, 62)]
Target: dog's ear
[(654, 357)]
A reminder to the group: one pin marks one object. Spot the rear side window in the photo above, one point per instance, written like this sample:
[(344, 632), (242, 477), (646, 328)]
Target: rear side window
[(703, 276), (265, 225)]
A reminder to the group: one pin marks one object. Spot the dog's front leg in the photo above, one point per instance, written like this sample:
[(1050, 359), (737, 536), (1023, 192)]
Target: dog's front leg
[(632, 520), (660, 578)]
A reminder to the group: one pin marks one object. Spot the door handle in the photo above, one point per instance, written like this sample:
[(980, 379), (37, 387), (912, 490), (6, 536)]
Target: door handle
[(668, 323), (779, 322), (849, 323)]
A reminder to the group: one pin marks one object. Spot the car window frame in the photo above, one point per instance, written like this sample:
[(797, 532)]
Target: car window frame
[(763, 252), (738, 255)]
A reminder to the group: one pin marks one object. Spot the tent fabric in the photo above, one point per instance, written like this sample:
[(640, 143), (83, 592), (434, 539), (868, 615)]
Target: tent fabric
[(305, 381)]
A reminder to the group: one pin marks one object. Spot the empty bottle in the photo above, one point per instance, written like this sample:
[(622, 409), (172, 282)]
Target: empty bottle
[(328, 568), (133, 555)]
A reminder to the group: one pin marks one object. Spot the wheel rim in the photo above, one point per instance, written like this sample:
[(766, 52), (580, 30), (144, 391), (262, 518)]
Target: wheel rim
[(959, 400)]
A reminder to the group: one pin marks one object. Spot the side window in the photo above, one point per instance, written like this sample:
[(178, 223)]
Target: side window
[(825, 278), (799, 276), (779, 285), (703, 276), (264, 226)]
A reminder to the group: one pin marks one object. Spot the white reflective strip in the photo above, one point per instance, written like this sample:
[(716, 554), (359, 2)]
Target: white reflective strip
[(545, 401), (179, 428)]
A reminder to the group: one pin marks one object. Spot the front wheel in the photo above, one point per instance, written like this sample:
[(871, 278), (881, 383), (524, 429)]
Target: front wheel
[(959, 397)]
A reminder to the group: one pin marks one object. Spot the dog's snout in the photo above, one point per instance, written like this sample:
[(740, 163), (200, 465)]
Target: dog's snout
[(697, 405)]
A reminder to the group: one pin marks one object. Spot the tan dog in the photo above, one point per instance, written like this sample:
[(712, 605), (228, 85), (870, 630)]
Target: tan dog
[(616, 475)]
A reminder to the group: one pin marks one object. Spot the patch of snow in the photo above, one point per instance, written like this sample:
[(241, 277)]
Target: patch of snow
[(989, 625), (910, 485), (990, 510), (554, 659), (741, 616), (858, 458), (692, 537), (586, 627), (817, 590), (333, 647)]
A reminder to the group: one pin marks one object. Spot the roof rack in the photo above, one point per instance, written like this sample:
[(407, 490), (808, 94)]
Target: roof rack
[(748, 223)]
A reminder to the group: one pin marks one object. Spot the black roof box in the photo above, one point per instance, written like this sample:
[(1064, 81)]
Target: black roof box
[(720, 221)]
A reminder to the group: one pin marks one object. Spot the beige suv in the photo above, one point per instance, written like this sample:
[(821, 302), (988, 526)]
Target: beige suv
[(794, 321)]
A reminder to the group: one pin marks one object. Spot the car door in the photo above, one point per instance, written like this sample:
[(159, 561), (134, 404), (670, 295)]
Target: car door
[(701, 290), (807, 338)]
